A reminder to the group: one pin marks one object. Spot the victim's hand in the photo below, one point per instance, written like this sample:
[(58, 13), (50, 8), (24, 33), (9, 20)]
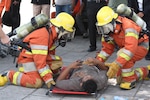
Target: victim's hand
[(76, 64), (90, 61), (5, 40)]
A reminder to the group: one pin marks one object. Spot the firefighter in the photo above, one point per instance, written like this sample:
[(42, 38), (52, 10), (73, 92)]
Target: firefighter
[(125, 34), (40, 64)]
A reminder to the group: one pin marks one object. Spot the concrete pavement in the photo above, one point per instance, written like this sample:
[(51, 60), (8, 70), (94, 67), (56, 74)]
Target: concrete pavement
[(74, 50)]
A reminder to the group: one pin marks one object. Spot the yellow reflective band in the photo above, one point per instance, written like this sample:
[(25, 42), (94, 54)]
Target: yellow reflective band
[(128, 52), (102, 39), (132, 34), (141, 72), (128, 74), (102, 56), (125, 56), (15, 77), (57, 57), (19, 47), (43, 52), (148, 66), (29, 53), (52, 48), (45, 72), (147, 47), (110, 42)]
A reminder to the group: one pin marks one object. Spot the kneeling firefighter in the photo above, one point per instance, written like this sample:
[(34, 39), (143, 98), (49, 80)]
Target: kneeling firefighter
[(126, 34), (40, 63)]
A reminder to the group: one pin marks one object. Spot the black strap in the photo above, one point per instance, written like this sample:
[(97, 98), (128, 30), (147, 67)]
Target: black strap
[(22, 44), (131, 14), (33, 22)]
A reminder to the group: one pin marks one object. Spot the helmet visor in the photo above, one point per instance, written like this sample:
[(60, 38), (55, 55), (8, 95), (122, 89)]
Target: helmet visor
[(66, 34), (105, 29)]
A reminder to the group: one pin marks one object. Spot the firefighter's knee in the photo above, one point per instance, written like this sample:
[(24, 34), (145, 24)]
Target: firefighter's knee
[(37, 84)]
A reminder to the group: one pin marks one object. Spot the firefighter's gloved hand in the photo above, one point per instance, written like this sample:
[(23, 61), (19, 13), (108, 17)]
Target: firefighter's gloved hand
[(50, 83), (113, 69)]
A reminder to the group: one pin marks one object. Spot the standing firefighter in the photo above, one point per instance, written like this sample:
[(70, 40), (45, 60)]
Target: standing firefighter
[(40, 63), (125, 34)]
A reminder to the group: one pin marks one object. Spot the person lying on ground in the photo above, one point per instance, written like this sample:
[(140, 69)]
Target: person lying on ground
[(83, 76), (91, 76)]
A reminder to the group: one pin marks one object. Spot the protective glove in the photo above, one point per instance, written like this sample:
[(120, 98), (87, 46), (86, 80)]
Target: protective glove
[(56, 65), (50, 83), (113, 69)]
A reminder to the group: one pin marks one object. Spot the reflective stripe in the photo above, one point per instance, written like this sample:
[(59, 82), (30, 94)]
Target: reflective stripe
[(101, 56), (55, 57), (38, 49), (110, 42), (43, 69), (28, 67), (131, 30), (138, 75), (127, 74), (41, 47), (138, 70), (126, 57), (102, 39), (43, 52), (104, 53), (28, 52), (128, 52), (17, 78), (145, 45), (52, 48), (127, 70), (132, 34), (45, 72), (8, 76)]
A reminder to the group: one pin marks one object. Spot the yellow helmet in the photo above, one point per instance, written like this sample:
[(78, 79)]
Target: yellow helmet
[(105, 15), (64, 20)]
